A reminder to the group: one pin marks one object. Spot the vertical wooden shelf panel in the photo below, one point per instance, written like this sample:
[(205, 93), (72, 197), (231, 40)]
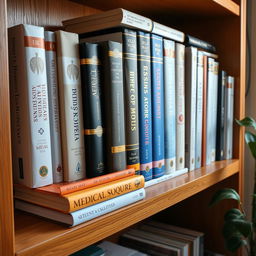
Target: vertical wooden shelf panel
[(6, 197)]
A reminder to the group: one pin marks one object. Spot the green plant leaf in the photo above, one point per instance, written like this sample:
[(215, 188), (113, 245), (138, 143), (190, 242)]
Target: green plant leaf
[(232, 214), (226, 193), (230, 230), (235, 242), (250, 139), (247, 122)]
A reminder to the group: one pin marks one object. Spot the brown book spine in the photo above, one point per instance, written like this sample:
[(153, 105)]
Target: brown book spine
[(205, 67)]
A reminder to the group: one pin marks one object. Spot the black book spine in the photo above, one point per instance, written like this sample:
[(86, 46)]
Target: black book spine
[(222, 79), (131, 98), (113, 89), (92, 109), (193, 41)]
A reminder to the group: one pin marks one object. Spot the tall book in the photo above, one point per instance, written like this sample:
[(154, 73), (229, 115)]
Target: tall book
[(199, 109), (180, 106), (131, 98), (229, 118), (113, 89), (54, 115), (210, 112), (169, 106), (201, 44), (145, 106), (31, 144), (190, 105), (84, 214), (157, 105), (90, 65), (222, 80), (80, 199), (214, 109), (70, 95)]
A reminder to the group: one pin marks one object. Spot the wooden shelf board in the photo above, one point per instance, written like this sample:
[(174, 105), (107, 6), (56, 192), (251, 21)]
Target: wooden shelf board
[(37, 236), (197, 8)]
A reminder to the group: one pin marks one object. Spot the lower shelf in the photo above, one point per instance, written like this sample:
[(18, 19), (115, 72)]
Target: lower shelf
[(37, 236)]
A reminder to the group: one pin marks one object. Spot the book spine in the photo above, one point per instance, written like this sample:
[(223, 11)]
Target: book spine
[(70, 95), (92, 109), (190, 106), (110, 205), (52, 82), (229, 117), (222, 79), (32, 160), (91, 196), (192, 41), (114, 106), (169, 106), (180, 106), (157, 105), (131, 98), (205, 82), (168, 32), (199, 110), (209, 118), (145, 108), (214, 109)]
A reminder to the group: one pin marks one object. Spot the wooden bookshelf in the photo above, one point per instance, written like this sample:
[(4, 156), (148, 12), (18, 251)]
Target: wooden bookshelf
[(35, 236)]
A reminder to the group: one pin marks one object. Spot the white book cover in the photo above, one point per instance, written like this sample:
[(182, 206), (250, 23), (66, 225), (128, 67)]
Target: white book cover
[(214, 110), (52, 83), (180, 106), (169, 106), (199, 109), (209, 114), (29, 103), (229, 118), (190, 106), (85, 214), (71, 110)]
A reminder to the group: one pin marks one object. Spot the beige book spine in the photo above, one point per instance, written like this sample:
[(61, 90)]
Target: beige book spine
[(71, 114)]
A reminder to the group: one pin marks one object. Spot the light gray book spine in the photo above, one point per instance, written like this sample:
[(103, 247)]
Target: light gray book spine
[(71, 111), (199, 109), (190, 106), (229, 118), (180, 106), (29, 107), (52, 82)]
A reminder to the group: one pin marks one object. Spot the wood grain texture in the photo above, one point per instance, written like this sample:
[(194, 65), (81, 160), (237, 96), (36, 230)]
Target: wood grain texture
[(35, 236), (6, 197), (190, 8)]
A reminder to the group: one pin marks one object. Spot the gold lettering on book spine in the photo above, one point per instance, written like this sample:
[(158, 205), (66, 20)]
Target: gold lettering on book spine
[(90, 61), (118, 149), (98, 131), (115, 54)]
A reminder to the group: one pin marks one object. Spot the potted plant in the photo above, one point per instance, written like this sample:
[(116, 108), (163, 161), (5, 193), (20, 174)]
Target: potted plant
[(238, 230)]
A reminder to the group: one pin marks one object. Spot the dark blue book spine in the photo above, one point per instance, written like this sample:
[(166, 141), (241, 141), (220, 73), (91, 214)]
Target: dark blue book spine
[(145, 112), (157, 105)]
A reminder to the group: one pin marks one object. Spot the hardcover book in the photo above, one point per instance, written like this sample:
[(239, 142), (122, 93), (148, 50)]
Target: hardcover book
[(180, 106), (54, 113), (113, 89), (220, 115), (69, 187), (199, 109), (84, 214), (70, 95), (229, 118), (145, 107), (31, 144), (199, 43), (169, 106), (157, 105), (190, 106), (80, 199), (92, 108)]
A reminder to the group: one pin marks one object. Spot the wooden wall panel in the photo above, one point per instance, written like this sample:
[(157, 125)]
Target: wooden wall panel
[(6, 201)]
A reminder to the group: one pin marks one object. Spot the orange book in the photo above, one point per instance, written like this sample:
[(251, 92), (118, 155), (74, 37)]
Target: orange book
[(80, 199), (69, 187)]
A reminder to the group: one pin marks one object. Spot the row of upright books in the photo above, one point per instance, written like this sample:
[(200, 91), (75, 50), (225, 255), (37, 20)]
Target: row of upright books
[(115, 98)]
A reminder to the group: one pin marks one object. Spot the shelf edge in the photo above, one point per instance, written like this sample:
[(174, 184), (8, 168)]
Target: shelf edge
[(229, 5)]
